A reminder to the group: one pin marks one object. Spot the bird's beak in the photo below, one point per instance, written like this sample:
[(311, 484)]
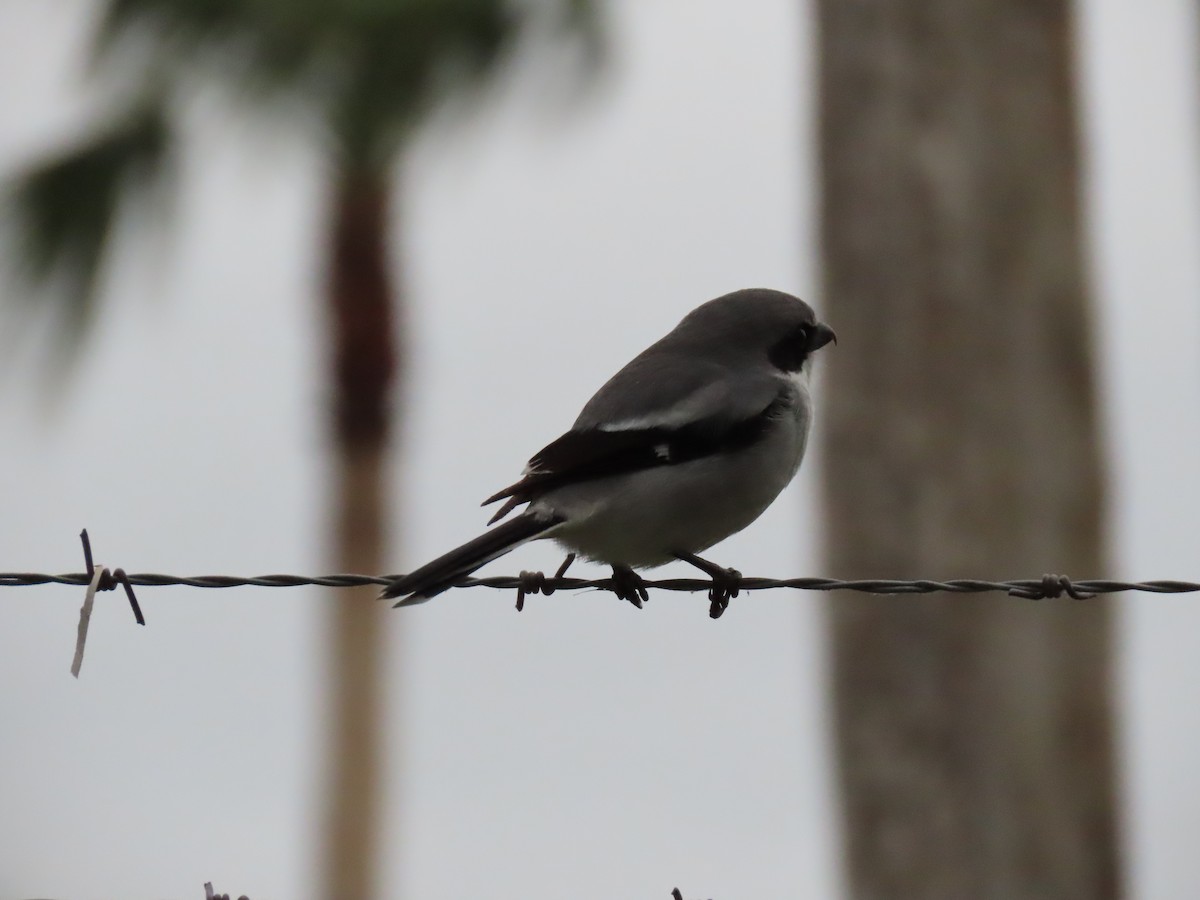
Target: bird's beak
[(821, 336)]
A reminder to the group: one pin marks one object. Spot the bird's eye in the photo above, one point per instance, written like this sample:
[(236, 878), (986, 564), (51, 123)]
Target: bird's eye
[(789, 353)]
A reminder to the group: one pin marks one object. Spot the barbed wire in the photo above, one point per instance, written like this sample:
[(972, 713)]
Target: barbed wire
[(720, 589), (1044, 587)]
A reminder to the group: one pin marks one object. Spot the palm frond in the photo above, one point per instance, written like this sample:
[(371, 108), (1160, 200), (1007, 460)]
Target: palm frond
[(370, 69), (62, 210)]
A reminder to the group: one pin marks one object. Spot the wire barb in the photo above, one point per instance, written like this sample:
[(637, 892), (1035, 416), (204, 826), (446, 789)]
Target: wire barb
[(1052, 587), (530, 583), (99, 578), (537, 583), (109, 579)]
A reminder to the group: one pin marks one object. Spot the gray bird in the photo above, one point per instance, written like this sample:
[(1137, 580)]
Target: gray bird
[(686, 445)]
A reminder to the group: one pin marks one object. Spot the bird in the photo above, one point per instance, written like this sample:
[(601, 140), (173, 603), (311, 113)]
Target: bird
[(687, 444)]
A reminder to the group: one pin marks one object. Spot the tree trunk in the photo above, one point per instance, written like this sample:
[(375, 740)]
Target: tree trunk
[(361, 327), (974, 734)]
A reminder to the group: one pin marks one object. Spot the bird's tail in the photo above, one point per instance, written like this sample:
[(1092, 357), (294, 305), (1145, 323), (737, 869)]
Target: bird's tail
[(434, 577)]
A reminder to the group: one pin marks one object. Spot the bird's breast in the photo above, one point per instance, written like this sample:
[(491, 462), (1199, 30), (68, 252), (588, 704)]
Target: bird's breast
[(643, 518)]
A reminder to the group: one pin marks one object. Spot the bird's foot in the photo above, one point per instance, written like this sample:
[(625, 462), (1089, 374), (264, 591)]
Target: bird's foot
[(726, 583), (628, 585)]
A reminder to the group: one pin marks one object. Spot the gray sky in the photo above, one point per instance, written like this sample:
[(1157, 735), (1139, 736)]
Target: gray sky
[(582, 748)]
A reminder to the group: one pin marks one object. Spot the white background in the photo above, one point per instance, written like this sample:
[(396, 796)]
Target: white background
[(583, 748)]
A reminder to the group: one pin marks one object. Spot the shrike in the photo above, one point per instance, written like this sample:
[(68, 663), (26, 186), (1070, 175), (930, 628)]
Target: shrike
[(686, 445)]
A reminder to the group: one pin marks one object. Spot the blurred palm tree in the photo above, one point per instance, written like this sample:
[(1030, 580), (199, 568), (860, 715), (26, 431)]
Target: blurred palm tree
[(365, 73), (974, 735)]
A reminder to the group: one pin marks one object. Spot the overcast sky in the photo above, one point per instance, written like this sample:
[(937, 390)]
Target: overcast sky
[(582, 748)]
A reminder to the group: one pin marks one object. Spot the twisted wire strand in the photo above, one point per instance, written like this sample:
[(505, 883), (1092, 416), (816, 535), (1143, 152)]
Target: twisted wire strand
[(724, 585), (1032, 588)]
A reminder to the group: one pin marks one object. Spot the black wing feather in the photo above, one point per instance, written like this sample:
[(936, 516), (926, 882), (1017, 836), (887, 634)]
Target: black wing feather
[(440, 574), (589, 453)]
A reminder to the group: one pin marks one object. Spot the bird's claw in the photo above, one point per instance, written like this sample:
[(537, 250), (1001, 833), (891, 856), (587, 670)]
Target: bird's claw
[(726, 585), (628, 585)]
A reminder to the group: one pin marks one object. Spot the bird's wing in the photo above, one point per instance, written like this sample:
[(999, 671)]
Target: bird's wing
[(663, 412)]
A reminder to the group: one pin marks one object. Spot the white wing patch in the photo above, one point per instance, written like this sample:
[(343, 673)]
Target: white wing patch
[(663, 452), (695, 406)]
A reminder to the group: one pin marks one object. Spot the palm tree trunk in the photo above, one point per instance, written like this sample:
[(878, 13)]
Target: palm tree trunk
[(362, 333), (974, 735)]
